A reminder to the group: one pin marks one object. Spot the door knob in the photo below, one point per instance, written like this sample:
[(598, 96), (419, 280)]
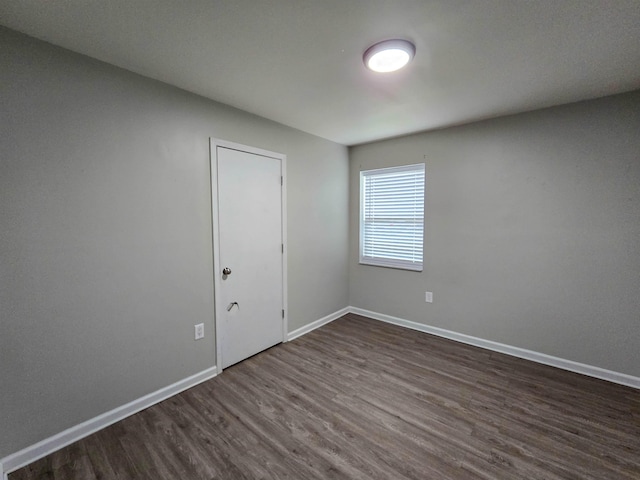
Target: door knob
[(226, 271)]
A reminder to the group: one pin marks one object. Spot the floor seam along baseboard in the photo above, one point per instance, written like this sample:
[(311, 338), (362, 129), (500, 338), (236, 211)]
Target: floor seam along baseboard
[(543, 358), (47, 446)]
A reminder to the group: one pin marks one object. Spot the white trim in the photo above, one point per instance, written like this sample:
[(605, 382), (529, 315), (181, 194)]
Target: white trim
[(570, 365), (217, 267), (318, 323), (285, 251), (45, 447), (384, 255), (213, 162), (56, 442)]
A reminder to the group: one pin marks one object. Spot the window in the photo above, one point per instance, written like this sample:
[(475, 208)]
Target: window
[(392, 217)]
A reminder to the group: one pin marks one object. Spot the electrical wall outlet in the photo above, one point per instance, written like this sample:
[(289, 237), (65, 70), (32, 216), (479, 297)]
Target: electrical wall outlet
[(199, 331), (428, 297)]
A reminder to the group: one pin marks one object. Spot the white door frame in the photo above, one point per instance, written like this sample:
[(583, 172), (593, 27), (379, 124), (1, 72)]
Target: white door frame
[(214, 143)]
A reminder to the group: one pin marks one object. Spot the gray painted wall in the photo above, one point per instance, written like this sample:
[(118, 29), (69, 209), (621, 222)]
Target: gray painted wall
[(105, 234), (532, 234)]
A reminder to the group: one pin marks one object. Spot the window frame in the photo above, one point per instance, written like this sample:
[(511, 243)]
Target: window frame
[(385, 261)]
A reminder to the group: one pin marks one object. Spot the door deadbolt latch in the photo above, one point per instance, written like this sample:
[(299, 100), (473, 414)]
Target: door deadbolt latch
[(226, 271)]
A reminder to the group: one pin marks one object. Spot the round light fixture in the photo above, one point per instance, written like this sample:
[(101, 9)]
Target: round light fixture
[(389, 56)]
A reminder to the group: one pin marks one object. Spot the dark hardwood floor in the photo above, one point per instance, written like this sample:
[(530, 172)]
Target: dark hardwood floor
[(362, 399)]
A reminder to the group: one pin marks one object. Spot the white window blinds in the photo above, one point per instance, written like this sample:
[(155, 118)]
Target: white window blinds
[(392, 217)]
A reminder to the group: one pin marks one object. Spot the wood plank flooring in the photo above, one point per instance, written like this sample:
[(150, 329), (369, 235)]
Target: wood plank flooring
[(360, 399)]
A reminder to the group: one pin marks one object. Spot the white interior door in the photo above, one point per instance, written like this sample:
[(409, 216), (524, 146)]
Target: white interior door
[(248, 200)]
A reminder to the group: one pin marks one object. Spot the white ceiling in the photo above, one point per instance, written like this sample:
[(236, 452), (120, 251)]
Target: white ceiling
[(299, 62)]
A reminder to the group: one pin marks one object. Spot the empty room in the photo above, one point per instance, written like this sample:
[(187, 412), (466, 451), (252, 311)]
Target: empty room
[(320, 239)]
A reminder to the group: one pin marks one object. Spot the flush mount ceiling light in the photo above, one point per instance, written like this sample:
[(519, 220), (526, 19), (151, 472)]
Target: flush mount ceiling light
[(389, 56)]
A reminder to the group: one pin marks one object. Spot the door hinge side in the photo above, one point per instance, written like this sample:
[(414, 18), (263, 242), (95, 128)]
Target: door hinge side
[(283, 248), (283, 313), (281, 180)]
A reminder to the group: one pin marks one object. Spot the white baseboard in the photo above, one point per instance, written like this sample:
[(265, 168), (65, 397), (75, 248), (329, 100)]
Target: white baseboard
[(49, 445), (45, 447), (597, 372), (317, 324)]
